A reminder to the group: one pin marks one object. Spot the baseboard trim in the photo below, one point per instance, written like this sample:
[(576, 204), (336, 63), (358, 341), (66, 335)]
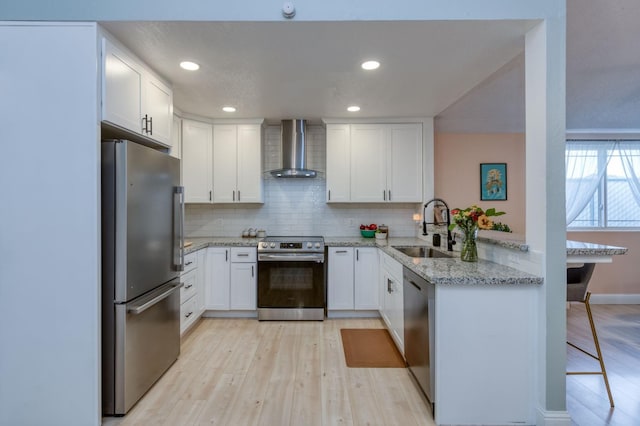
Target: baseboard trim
[(553, 418), (615, 299)]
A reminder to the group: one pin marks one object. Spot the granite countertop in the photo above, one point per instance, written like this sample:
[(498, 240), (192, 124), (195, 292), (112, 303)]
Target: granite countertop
[(579, 248), (438, 271)]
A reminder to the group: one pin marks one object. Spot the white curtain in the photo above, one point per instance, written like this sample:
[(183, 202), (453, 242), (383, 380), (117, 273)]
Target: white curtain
[(585, 165), (631, 165)]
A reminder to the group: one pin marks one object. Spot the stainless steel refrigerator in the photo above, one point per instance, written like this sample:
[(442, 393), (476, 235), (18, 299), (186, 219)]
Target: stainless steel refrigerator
[(142, 239)]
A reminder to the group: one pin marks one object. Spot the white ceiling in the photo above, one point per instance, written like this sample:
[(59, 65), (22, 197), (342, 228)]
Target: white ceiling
[(277, 70), (603, 77), (470, 75)]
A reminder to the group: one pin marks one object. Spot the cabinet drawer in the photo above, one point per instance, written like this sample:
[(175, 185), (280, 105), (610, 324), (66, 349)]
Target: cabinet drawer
[(243, 254), (393, 266), (190, 261), (188, 313), (189, 287)]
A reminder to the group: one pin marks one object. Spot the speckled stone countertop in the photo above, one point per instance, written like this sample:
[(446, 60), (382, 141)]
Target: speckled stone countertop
[(438, 271), (579, 248)]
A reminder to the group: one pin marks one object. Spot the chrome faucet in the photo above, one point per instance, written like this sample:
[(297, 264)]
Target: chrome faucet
[(450, 241)]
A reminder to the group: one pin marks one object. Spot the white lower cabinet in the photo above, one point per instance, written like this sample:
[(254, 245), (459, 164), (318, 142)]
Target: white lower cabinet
[(191, 292), (352, 278), (391, 298), (218, 278), (231, 279)]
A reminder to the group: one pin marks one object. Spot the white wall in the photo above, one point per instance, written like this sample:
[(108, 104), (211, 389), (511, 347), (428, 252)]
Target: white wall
[(49, 226), (298, 206)]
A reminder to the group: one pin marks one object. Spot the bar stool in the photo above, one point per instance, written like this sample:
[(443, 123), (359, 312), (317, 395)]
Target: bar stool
[(577, 283)]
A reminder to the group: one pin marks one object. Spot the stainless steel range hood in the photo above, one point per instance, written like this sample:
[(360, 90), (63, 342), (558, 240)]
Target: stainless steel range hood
[(294, 151)]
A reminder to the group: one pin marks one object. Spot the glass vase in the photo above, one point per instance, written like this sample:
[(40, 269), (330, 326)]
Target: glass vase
[(469, 252)]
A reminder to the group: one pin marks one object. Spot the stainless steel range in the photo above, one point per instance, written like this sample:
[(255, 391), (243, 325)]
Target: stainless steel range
[(291, 278)]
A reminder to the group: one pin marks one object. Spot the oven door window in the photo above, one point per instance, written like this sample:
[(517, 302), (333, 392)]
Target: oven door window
[(290, 285)]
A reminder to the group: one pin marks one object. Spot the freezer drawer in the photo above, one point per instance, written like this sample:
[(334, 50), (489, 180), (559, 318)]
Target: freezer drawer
[(147, 342)]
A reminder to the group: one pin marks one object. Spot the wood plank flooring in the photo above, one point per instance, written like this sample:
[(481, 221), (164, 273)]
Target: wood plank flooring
[(618, 328), (246, 372)]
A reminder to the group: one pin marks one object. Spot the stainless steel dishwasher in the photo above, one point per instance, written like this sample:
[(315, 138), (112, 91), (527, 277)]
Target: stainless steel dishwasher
[(419, 327)]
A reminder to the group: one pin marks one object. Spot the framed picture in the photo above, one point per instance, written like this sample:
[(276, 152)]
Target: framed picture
[(493, 181)]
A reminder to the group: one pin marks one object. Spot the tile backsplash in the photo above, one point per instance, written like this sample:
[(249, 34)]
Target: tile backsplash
[(297, 206)]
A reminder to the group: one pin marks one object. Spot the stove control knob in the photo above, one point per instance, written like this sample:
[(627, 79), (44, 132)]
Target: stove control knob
[(317, 245), (272, 245), (264, 245), (309, 245)]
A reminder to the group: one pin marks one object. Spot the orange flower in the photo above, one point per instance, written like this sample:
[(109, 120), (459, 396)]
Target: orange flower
[(484, 222)]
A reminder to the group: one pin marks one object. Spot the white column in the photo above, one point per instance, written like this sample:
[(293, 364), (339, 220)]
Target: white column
[(49, 225), (545, 207)]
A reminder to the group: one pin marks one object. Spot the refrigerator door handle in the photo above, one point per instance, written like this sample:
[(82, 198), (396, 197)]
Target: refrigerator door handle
[(152, 299), (178, 243)]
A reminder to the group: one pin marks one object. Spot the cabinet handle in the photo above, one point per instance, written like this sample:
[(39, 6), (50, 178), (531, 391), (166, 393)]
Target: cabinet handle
[(226, 255), (329, 195), (144, 124), (251, 271), (234, 195), (150, 131), (238, 195), (188, 263), (186, 287), (389, 195), (188, 315), (389, 282), (384, 195), (340, 251), (357, 255), (210, 195), (243, 254)]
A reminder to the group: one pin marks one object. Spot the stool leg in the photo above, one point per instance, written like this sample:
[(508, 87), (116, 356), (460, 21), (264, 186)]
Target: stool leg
[(598, 351)]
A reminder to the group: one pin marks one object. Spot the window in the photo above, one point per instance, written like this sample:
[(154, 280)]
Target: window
[(602, 186)]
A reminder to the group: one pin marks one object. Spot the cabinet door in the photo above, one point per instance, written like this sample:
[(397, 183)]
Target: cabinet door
[(224, 163), (404, 172), (338, 163), (243, 286), (121, 88), (201, 279), (340, 278), (396, 310), (366, 278), (368, 163), (249, 174), (176, 138), (217, 278), (196, 161), (158, 107)]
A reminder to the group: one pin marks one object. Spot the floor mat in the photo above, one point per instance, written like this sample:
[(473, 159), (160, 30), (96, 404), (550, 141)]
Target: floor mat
[(370, 348)]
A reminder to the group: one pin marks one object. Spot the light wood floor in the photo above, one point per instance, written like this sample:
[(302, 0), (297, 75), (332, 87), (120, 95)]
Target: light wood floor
[(246, 372), (618, 328)]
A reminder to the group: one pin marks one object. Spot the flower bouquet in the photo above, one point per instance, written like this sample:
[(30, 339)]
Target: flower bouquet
[(469, 220)]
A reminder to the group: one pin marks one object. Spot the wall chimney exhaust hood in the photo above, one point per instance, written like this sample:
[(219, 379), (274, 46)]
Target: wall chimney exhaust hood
[(294, 151)]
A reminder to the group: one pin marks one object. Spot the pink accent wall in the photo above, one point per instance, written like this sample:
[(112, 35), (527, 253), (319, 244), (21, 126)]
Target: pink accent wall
[(457, 172), (457, 180)]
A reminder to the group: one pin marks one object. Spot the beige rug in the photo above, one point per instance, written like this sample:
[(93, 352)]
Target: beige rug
[(370, 348)]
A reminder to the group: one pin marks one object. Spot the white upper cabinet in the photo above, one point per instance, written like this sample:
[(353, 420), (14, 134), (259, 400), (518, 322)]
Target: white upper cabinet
[(237, 163), (197, 144), (338, 163), (133, 97), (370, 163)]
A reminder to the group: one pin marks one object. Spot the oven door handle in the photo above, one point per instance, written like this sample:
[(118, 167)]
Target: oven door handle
[(293, 257)]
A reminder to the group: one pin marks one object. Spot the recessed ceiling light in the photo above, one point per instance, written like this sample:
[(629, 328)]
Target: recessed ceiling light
[(228, 109), (189, 66), (353, 108), (370, 65)]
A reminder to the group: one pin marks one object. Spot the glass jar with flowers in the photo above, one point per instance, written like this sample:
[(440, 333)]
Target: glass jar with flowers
[(469, 220)]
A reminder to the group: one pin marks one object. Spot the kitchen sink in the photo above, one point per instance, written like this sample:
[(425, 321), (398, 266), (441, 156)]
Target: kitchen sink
[(421, 252)]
